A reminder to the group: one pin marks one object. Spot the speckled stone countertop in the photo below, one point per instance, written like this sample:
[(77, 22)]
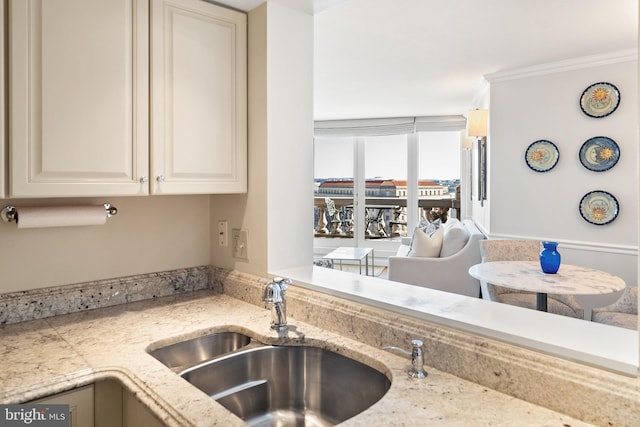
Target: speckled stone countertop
[(45, 356)]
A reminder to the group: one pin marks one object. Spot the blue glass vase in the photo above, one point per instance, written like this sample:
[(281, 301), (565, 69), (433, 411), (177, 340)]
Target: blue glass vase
[(550, 257)]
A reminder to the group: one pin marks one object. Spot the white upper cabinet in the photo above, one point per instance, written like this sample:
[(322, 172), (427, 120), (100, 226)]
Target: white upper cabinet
[(198, 93), (78, 97), (83, 121)]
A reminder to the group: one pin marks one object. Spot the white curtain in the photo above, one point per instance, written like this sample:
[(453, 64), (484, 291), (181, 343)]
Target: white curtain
[(388, 126)]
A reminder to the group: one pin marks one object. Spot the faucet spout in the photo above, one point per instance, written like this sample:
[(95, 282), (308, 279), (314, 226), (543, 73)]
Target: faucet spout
[(275, 295)]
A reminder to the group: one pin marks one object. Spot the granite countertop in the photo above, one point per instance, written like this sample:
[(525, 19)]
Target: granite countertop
[(47, 356)]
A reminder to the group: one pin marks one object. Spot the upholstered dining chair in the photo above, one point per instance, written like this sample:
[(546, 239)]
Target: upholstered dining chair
[(622, 313), (522, 250)]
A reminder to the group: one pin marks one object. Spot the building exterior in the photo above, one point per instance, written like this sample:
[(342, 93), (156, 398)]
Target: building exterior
[(381, 188)]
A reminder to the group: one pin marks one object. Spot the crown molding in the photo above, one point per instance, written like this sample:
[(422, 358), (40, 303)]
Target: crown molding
[(564, 65)]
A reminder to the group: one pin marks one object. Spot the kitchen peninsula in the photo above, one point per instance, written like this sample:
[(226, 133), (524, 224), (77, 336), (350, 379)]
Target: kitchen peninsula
[(51, 355)]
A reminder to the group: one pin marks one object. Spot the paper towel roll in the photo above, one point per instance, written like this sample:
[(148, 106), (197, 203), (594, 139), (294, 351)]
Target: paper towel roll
[(61, 216)]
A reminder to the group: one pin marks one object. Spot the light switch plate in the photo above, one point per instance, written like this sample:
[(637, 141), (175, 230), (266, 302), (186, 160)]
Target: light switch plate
[(240, 243), (223, 233)]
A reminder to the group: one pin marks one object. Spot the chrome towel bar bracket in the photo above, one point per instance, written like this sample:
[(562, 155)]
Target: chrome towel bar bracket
[(111, 210), (9, 214)]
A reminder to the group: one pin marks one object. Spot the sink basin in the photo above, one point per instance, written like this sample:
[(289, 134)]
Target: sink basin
[(290, 386), (200, 349)]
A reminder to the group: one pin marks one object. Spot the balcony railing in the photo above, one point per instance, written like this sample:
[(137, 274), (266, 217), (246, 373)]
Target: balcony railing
[(385, 217)]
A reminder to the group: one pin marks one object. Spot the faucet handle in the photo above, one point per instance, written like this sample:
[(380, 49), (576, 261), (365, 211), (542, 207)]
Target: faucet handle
[(282, 282)]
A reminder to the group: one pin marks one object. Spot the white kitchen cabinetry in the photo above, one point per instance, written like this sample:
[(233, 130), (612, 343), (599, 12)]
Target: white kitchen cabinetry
[(81, 110), (198, 92), (78, 97), (116, 406), (81, 405), (103, 404)]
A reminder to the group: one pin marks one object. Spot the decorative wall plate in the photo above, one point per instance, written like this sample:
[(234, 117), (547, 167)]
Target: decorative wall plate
[(599, 207), (600, 100), (542, 155), (599, 153)]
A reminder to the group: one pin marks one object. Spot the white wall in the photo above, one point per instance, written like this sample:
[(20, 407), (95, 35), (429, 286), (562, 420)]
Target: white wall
[(249, 211), (528, 204), (280, 145), (290, 130), (148, 234)]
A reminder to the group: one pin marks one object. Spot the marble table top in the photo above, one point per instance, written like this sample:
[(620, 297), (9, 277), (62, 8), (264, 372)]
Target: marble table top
[(528, 276)]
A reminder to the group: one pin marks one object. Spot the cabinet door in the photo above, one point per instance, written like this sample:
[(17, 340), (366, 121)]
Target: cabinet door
[(198, 108), (80, 403), (117, 406), (78, 97), (135, 414)]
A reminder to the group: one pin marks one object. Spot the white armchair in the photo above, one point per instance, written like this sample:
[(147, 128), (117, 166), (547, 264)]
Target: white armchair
[(448, 273)]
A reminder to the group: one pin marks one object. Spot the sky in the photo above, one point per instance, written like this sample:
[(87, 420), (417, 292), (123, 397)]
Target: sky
[(386, 157)]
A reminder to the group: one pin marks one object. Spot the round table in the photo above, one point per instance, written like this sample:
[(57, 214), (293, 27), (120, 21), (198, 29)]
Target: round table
[(528, 276)]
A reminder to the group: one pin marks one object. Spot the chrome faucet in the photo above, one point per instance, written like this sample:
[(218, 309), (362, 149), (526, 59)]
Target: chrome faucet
[(417, 358), (275, 294)]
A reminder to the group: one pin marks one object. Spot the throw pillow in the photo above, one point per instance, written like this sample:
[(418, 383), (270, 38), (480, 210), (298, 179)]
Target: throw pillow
[(428, 227), (455, 238), (424, 245), (451, 223)]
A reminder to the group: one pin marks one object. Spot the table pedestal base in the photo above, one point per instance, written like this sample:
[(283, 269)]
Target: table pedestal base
[(541, 301)]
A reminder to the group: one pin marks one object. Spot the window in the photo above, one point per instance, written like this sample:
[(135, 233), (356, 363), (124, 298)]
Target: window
[(385, 173), (333, 186), (374, 178)]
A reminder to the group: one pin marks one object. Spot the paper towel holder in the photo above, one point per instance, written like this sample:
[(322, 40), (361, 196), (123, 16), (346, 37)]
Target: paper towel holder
[(10, 213)]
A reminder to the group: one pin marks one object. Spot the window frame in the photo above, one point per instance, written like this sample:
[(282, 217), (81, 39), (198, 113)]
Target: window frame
[(383, 247)]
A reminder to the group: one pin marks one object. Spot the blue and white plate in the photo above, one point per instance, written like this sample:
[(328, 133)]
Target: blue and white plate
[(599, 153), (600, 99), (542, 155), (599, 207)]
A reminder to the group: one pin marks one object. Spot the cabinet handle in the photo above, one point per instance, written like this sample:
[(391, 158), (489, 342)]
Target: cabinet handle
[(160, 178), (144, 179)]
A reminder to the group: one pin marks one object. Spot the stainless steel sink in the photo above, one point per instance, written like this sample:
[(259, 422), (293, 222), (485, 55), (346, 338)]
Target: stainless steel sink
[(290, 386), (200, 349)]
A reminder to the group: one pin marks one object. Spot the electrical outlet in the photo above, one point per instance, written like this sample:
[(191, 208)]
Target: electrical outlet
[(240, 243), (223, 238)]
